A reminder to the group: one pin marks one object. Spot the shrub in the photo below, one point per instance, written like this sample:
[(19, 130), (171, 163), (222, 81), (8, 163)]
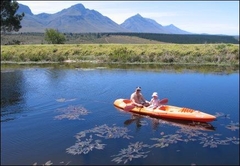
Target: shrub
[(54, 37)]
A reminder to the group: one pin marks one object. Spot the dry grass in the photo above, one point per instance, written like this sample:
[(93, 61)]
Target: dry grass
[(219, 54)]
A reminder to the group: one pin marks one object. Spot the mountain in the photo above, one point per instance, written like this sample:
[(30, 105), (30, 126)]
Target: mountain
[(145, 25), (141, 25), (174, 30), (78, 19), (24, 9)]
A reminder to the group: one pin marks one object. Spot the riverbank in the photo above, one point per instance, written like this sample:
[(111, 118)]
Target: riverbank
[(203, 54)]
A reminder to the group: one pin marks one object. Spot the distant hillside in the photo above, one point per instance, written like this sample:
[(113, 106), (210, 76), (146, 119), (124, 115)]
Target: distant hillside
[(184, 38), (78, 19), (119, 38), (139, 24)]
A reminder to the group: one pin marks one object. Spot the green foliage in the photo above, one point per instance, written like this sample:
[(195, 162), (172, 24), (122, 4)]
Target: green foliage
[(52, 36), (10, 21)]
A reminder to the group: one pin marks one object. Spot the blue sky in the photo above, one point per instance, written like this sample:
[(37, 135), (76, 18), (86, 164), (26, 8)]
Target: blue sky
[(212, 17)]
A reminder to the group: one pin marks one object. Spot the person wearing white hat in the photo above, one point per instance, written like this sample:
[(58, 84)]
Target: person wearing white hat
[(138, 99), (154, 102)]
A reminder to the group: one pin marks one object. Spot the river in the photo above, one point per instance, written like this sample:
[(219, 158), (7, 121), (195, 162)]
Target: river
[(65, 116)]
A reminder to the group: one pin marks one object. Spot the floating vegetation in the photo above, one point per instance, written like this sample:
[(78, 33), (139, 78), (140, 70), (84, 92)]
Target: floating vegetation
[(233, 126), (85, 146), (234, 140), (186, 134), (221, 114), (134, 150), (107, 132), (166, 140), (64, 100), (212, 141), (50, 163), (47, 163), (191, 134), (104, 131), (72, 113)]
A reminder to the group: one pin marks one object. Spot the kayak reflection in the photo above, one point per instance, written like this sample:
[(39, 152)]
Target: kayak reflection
[(137, 119)]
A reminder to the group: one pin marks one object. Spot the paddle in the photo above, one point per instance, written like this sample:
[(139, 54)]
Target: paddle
[(129, 107), (163, 101)]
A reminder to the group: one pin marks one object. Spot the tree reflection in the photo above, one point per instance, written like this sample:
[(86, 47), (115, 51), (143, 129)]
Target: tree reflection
[(179, 68), (11, 93)]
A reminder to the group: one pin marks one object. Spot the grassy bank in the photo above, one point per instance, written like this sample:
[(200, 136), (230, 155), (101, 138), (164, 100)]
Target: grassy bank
[(215, 54)]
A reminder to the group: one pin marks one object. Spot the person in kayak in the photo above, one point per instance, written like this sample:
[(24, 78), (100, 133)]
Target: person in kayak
[(154, 102), (138, 99)]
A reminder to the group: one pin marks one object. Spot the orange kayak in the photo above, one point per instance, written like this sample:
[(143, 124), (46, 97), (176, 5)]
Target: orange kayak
[(166, 111)]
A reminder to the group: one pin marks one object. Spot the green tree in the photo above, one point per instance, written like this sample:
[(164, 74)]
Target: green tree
[(52, 36), (10, 21)]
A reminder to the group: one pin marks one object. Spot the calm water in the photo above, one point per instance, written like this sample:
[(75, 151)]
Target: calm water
[(66, 117)]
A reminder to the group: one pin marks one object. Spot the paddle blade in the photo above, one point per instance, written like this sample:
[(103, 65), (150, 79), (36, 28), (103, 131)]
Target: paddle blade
[(129, 107), (163, 101)]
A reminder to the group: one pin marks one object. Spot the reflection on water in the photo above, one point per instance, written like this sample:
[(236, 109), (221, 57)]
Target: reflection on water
[(12, 88), (12, 94), (178, 123), (145, 67), (61, 115)]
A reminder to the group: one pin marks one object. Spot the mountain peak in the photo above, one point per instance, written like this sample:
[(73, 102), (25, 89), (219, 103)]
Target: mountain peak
[(137, 15), (171, 25), (140, 24), (78, 6), (77, 9), (24, 9), (175, 29)]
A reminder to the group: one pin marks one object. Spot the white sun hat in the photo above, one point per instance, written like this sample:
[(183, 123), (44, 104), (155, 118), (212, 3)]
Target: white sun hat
[(155, 94)]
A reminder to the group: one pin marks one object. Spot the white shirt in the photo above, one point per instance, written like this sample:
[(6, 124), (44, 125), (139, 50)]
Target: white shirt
[(154, 102)]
